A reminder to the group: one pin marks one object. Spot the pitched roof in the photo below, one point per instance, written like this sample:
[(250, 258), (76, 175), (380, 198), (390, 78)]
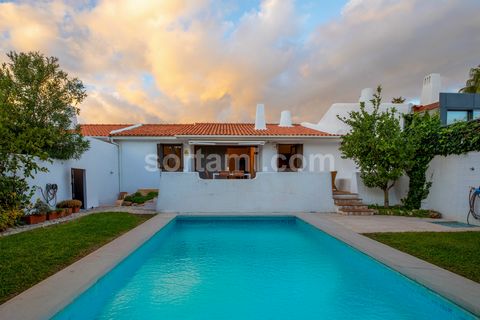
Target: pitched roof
[(100, 130), (431, 106), (154, 130), (248, 129), (199, 129)]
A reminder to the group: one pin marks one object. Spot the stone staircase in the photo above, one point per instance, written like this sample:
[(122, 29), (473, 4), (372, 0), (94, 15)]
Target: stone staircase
[(350, 204)]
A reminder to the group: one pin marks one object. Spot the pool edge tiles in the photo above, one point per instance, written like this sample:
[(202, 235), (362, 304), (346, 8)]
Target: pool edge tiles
[(420, 288), (50, 296), (434, 297), (461, 291), (39, 298)]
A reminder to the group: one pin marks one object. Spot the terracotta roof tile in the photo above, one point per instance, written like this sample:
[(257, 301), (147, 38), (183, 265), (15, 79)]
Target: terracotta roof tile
[(431, 106), (248, 129), (100, 130), (200, 129), (154, 130)]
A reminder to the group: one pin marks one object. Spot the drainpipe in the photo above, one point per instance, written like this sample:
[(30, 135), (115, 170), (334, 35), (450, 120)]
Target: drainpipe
[(118, 163)]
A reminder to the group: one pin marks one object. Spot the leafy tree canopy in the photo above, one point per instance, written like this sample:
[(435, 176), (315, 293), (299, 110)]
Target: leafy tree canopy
[(38, 101), (375, 144), (473, 83)]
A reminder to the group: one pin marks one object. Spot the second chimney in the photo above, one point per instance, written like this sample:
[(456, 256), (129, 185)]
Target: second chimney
[(260, 123), (285, 119)]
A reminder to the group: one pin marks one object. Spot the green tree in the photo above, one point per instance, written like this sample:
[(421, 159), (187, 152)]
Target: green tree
[(37, 103), (473, 84), (376, 145), (398, 100), (422, 136)]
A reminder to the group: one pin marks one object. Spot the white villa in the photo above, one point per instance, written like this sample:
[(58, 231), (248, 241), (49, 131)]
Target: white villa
[(238, 167)]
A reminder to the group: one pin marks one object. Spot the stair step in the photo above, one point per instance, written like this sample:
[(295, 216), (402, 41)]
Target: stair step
[(347, 202), (338, 192), (355, 207), (346, 197)]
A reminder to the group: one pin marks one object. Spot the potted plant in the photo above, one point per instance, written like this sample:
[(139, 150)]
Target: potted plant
[(70, 205), (61, 212), (38, 213), (76, 204), (53, 214)]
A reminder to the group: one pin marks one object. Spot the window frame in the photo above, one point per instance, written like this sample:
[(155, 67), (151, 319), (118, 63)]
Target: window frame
[(161, 155), (299, 161)]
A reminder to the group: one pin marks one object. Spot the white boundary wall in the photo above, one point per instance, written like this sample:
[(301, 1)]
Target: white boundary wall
[(375, 195), (101, 170), (286, 192), (452, 178)]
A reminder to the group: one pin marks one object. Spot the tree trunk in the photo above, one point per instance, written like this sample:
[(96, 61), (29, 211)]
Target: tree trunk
[(386, 202)]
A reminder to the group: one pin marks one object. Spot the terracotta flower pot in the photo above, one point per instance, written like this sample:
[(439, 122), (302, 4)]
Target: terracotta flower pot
[(76, 209), (68, 211), (35, 218), (61, 213), (52, 215)]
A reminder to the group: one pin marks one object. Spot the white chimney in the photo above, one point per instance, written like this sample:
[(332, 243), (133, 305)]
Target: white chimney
[(366, 95), (260, 118), (430, 89), (285, 119)]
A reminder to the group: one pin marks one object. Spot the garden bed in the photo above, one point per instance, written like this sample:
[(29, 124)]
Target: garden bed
[(404, 212)]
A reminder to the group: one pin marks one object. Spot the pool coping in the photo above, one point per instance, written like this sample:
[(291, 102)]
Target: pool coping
[(45, 299), (48, 297), (459, 290)]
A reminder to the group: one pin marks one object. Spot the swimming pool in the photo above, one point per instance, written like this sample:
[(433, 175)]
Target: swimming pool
[(254, 268)]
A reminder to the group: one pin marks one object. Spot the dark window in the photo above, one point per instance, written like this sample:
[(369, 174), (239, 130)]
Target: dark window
[(289, 157), (170, 157)]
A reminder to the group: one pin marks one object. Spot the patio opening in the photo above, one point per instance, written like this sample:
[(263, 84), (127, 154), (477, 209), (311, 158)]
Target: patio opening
[(226, 161)]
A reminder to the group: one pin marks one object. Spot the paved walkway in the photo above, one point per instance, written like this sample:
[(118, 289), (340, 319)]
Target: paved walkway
[(359, 224), (367, 224)]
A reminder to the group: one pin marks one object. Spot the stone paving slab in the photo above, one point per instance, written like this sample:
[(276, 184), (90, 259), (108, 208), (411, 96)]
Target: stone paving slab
[(369, 224)]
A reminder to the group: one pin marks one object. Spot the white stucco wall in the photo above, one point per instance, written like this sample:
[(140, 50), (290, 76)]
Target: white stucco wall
[(268, 151), (101, 170), (133, 174), (452, 178), (327, 157), (375, 195), (269, 192)]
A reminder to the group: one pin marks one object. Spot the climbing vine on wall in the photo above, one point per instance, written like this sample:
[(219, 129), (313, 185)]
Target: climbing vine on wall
[(426, 138)]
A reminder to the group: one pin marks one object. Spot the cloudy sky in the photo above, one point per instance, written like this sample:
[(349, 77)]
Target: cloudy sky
[(212, 60)]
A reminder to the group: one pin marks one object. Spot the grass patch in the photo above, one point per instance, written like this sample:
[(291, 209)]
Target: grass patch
[(454, 251), (27, 258), (401, 211), (138, 198)]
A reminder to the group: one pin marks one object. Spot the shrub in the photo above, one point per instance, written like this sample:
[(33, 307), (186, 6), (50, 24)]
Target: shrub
[(9, 217), (138, 198), (69, 204), (41, 207)]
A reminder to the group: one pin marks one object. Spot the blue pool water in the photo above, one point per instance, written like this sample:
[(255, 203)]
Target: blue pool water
[(278, 268)]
